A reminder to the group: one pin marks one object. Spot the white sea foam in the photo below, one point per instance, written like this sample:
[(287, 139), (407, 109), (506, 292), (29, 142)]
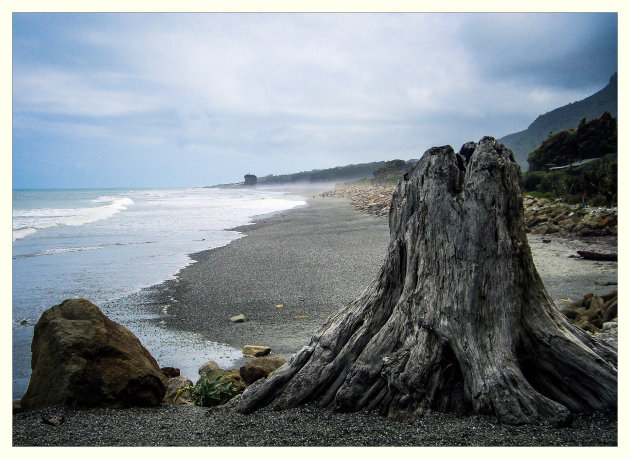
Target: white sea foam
[(28, 221), (138, 247), (68, 249), (23, 232)]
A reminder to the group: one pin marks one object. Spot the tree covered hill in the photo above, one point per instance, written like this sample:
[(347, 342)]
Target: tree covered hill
[(566, 117), (560, 165), (592, 139), (335, 174)]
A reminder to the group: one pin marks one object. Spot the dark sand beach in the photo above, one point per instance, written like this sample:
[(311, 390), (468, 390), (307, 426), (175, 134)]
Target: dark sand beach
[(311, 260)]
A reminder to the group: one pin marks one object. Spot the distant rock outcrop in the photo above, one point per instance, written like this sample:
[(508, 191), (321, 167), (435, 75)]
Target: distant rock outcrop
[(250, 179), (83, 359)]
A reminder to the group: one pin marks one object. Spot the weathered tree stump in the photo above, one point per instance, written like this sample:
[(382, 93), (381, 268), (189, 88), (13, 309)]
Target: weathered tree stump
[(458, 318)]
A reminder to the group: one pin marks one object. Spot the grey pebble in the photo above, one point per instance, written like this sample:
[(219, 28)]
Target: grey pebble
[(304, 426)]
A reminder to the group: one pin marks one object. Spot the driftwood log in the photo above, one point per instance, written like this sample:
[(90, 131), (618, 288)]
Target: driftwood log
[(458, 318), (590, 255)]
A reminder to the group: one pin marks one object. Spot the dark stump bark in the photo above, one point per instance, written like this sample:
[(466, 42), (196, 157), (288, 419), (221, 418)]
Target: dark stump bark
[(458, 318)]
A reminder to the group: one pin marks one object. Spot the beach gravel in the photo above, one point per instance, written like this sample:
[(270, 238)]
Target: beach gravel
[(170, 425), (286, 276), (311, 261)]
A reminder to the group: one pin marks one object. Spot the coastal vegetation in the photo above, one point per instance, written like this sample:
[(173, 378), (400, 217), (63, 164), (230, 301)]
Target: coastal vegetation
[(391, 171), (576, 161), (373, 173), (565, 117), (336, 174), (210, 393)]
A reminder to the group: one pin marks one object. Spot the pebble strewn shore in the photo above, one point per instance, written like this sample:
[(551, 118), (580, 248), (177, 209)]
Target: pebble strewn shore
[(374, 200), (546, 216), (542, 216), (169, 425), (307, 230)]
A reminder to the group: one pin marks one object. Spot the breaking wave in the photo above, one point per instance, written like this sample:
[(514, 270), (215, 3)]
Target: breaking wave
[(29, 221)]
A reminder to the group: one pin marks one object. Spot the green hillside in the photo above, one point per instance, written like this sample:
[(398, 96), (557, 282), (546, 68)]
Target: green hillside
[(567, 117), (335, 174), (576, 161), (379, 172)]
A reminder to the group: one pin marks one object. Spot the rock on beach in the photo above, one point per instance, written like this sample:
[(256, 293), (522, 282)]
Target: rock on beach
[(260, 367), (374, 200), (256, 351), (551, 216), (83, 359), (174, 385), (169, 425), (542, 216)]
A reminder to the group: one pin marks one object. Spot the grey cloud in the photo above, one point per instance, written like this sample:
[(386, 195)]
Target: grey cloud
[(562, 50)]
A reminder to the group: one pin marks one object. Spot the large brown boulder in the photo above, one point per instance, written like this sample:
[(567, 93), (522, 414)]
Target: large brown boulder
[(83, 359)]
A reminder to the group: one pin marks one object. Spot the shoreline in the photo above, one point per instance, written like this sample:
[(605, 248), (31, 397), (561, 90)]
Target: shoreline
[(311, 283), (312, 260)]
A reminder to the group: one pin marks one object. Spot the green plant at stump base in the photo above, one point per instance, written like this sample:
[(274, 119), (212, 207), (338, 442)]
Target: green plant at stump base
[(210, 393)]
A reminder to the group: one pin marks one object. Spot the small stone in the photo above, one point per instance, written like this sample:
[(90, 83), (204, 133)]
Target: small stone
[(53, 420), (17, 407), (209, 369), (256, 351), (609, 325), (173, 386), (233, 376), (279, 305), (24, 322), (238, 319), (170, 372)]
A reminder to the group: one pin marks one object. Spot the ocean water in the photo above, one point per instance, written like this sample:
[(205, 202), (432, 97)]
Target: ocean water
[(105, 245)]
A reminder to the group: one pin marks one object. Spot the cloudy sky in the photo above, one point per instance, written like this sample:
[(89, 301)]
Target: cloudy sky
[(151, 100)]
